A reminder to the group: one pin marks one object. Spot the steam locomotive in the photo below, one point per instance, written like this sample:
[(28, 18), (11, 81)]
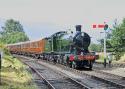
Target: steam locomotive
[(61, 47)]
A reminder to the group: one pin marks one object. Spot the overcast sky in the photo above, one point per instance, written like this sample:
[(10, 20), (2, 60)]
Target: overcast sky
[(40, 18)]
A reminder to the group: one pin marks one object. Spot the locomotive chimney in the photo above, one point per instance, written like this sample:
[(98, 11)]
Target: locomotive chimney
[(78, 28)]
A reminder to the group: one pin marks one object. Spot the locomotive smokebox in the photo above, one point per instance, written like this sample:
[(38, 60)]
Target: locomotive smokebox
[(78, 28)]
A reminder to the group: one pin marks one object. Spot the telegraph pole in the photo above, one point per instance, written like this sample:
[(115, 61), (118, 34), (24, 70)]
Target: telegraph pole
[(105, 28)]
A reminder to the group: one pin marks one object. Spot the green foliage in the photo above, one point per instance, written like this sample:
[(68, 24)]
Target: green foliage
[(13, 32), (118, 40), (12, 26), (101, 41), (4, 49), (14, 37), (95, 47)]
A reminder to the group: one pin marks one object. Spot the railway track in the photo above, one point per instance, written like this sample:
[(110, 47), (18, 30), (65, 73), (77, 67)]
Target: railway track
[(53, 79), (113, 80), (115, 65), (94, 79)]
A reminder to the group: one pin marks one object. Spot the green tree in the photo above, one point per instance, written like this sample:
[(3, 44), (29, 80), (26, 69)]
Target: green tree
[(95, 47), (13, 32), (12, 26), (118, 40)]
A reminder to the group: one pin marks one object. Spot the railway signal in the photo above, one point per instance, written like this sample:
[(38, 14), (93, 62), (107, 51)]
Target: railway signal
[(105, 27)]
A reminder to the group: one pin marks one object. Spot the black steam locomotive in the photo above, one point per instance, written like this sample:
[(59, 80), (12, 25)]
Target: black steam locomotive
[(70, 49)]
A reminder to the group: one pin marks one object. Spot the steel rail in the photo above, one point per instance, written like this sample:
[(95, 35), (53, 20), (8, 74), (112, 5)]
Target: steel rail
[(50, 86)]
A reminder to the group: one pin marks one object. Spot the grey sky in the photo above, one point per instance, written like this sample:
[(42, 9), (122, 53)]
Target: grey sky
[(62, 13)]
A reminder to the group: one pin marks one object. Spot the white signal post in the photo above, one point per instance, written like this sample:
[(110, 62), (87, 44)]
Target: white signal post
[(105, 43), (104, 48), (105, 28)]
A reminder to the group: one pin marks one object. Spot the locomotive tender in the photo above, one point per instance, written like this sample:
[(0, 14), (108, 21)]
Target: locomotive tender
[(61, 47)]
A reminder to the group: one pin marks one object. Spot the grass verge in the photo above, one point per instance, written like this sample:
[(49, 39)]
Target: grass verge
[(101, 59), (14, 75)]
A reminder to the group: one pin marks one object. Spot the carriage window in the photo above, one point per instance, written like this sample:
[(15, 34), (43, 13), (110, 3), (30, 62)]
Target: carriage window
[(36, 45)]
